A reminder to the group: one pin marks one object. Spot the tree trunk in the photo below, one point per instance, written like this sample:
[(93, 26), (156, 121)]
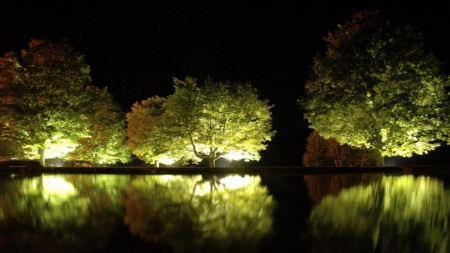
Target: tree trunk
[(41, 152), (212, 157), (380, 159), (212, 162)]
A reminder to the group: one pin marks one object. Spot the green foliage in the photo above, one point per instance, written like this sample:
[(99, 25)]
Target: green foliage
[(48, 109), (150, 136), (328, 152), (106, 127), (46, 86), (216, 119), (9, 149), (376, 87)]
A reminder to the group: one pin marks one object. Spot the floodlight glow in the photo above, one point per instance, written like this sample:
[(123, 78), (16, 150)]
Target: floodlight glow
[(167, 178), (54, 186), (238, 156), (236, 181), (50, 187), (166, 160)]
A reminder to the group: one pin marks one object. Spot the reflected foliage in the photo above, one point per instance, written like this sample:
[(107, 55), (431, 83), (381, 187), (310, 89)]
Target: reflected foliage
[(392, 214), (60, 213), (200, 214), (324, 185)]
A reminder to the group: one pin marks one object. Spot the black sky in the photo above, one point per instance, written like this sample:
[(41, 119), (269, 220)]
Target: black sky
[(135, 48)]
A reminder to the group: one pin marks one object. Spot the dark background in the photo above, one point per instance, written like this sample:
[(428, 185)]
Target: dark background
[(135, 48)]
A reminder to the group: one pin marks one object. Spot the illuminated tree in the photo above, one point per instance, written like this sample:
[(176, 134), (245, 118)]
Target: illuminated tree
[(48, 109), (9, 149), (8, 72), (376, 87), (150, 135), (47, 86), (106, 127), (220, 119), (321, 152)]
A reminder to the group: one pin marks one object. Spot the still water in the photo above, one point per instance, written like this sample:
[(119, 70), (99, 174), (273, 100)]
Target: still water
[(371, 212)]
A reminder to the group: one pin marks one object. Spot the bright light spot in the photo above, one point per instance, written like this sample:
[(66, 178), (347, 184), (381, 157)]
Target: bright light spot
[(238, 156), (384, 133), (166, 160), (54, 147), (50, 187), (54, 186), (59, 148), (204, 188), (166, 178), (236, 181)]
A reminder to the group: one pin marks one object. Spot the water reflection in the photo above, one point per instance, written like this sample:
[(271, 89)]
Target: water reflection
[(71, 213), (230, 213), (85, 213), (388, 214), (200, 213)]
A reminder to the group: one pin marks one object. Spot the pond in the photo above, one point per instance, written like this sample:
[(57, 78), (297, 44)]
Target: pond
[(261, 210)]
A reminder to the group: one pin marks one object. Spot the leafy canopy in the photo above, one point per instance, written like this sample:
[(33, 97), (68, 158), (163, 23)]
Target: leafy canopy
[(105, 143), (209, 121), (149, 135), (47, 106), (46, 89), (376, 87)]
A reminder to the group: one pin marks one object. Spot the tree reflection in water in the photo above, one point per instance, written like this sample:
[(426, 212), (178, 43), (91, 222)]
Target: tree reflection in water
[(200, 214), (391, 214), (60, 213)]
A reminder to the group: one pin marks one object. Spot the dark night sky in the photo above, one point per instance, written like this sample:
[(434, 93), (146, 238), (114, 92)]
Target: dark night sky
[(136, 47)]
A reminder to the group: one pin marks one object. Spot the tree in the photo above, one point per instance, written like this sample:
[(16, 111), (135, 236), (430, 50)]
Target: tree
[(9, 149), (217, 119), (8, 72), (149, 134), (376, 87), (49, 109), (328, 152), (106, 127), (317, 153), (221, 119), (49, 78)]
